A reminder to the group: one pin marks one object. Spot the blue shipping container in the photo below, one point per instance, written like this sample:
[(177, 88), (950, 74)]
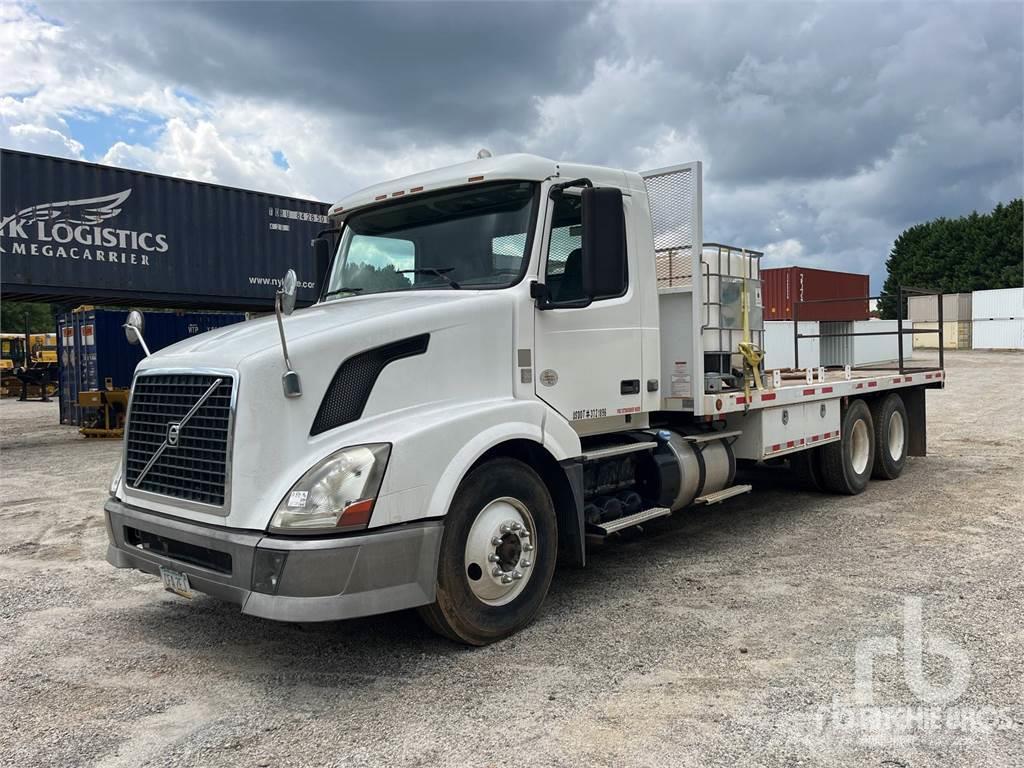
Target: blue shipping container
[(94, 353)]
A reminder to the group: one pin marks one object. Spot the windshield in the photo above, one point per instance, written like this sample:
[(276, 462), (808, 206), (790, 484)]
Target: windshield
[(469, 238)]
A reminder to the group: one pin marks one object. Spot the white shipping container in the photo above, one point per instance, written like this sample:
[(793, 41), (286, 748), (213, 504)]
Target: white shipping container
[(998, 304), (999, 334), (868, 350), (778, 345)]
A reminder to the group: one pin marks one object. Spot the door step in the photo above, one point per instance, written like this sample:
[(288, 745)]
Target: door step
[(617, 450), (722, 495), (611, 526)]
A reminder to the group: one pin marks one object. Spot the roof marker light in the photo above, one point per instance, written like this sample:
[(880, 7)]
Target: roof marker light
[(476, 178), (399, 193), (416, 189), (380, 197)]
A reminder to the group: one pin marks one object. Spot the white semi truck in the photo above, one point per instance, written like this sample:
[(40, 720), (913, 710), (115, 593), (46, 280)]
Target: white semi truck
[(509, 358)]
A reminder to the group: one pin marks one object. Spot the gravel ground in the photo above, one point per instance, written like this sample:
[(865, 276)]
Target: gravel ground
[(725, 636)]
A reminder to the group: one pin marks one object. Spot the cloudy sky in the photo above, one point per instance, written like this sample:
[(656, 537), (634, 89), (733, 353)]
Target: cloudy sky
[(825, 128)]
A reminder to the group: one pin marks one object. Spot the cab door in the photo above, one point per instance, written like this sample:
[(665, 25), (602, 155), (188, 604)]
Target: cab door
[(588, 358)]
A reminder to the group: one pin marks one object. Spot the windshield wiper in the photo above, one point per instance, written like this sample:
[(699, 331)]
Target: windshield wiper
[(438, 271), (336, 291)]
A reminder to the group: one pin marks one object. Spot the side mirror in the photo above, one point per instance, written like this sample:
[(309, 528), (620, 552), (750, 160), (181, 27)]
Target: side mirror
[(604, 242), (289, 289), (134, 325), (321, 258)]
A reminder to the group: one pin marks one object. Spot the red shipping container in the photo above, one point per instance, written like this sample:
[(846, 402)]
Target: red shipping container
[(785, 285)]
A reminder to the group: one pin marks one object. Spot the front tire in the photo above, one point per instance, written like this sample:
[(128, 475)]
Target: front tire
[(497, 555), (846, 465)]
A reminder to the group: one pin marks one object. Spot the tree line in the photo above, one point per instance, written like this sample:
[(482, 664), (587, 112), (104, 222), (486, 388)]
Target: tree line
[(972, 253)]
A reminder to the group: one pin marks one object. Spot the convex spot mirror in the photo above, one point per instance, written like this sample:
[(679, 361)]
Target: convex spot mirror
[(289, 289), (604, 243), (134, 326)]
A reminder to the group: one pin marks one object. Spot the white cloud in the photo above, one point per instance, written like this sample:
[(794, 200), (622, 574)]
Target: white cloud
[(824, 129)]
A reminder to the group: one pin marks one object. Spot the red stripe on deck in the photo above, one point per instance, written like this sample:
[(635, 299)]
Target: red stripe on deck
[(809, 391), (741, 400), (872, 383), (897, 380), (790, 444), (776, 447), (769, 396), (908, 379), (826, 390)]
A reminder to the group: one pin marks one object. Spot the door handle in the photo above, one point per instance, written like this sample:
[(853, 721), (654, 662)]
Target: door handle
[(629, 387)]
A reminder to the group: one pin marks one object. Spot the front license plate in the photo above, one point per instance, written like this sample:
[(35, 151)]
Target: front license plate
[(176, 582)]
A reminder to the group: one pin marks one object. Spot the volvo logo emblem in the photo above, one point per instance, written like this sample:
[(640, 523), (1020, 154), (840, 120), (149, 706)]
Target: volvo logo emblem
[(173, 430)]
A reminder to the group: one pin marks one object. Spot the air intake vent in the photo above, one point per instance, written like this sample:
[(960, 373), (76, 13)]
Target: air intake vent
[(352, 383)]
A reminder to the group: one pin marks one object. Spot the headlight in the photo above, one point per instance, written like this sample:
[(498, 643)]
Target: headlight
[(115, 481), (336, 495)]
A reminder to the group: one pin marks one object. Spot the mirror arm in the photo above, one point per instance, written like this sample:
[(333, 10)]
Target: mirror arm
[(557, 189), (290, 378)]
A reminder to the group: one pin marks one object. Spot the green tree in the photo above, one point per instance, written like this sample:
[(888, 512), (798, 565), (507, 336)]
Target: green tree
[(972, 253), (41, 317)]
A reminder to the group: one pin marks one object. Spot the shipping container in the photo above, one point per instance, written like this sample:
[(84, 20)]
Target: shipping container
[(999, 334), (998, 304), (871, 350), (955, 335), (74, 232), (836, 343), (785, 285), (96, 355), (955, 306), (778, 345)]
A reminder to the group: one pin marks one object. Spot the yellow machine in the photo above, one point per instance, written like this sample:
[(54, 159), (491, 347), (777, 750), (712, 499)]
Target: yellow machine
[(110, 404), (37, 370)]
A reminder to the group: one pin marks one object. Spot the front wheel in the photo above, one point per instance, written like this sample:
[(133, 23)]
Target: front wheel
[(497, 554)]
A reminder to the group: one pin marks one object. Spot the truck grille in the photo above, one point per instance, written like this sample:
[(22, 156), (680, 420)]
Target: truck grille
[(195, 468)]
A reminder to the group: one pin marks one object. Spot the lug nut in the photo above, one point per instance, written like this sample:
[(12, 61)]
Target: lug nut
[(527, 547), (495, 541), (492, 558), (506, 579), (496, 571), (517, 575), (516, 526), (525, 563)]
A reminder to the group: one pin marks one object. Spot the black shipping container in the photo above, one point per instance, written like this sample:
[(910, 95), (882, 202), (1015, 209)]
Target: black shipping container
[(73, 232)]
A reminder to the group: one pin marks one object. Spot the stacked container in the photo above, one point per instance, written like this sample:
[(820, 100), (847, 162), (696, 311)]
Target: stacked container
[(923, 313), (998, 317), (785, 286), (95, 355)]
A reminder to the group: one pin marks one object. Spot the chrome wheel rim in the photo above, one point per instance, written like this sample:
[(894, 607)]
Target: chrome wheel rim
[(500, 551), (896, 435), (860, 447)]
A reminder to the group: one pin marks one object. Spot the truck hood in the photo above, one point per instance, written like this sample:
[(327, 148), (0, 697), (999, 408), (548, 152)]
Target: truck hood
[(229, 346)]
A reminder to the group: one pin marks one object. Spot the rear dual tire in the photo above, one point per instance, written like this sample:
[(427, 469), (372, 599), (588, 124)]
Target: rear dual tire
[(892, 436), (846, 464)]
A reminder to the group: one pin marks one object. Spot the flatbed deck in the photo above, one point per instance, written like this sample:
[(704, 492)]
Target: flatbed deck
[(835, 384)]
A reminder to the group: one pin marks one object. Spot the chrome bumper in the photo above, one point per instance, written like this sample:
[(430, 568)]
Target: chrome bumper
[(297, 579)]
